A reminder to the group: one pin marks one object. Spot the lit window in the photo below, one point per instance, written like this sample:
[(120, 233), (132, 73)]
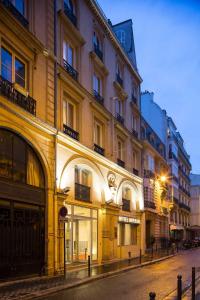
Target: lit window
[(82, 176), (69, 114)]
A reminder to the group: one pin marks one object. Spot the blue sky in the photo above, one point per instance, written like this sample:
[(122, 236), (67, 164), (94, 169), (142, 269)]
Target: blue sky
[(167, 41)]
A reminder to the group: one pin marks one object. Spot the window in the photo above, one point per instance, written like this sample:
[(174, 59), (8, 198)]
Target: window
[(19, 72), (134, 122), (68, 53), (121, 36), (119, 70), (19, 5), (82, 176), (98, 130), (6, 64), (126, 193), (119, 107), (69, 114), (10, 62), (134, 160), (96, 41), (127, 234), (120, 146), (69, 4), (151, 163), (97, 84)]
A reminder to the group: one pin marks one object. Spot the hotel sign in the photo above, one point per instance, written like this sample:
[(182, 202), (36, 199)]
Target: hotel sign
[(129, 220)]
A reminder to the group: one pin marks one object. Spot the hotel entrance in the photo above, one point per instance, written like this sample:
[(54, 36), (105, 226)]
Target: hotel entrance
[(80, 234)]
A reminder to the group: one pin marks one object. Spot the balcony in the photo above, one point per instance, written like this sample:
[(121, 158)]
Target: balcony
[(26, 102), (120, 119), (71, 132), (149, 204), (70, 70), (8, 4), (69, 13), (173, 156), (136, 172), (98, 149), (98, 52), (121, 163), (175, 200), (149, 174), (135, 133), (119, 80), (126, 205), (82, 192), (184, 206), (98, 97)]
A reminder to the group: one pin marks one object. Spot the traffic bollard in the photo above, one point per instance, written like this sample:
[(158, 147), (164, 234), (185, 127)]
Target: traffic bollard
[(193, 283), (179, 287), (152, 253), (129, 256), (89, 265), (152, 296)]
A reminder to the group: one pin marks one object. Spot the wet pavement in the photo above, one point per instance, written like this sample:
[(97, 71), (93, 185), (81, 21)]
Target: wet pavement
[(136, 284), (19, 289)]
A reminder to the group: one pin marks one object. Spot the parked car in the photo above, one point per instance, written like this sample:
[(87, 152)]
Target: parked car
[(187, 244)]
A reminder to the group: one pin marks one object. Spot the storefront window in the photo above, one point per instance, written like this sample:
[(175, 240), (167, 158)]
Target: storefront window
[(94, 239), (127, 234)]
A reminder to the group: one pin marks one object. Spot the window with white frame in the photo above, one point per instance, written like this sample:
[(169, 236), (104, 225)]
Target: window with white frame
[(97, 84), (68, 54), (13, 68), (83, 176), (69, 114), (98, 133)]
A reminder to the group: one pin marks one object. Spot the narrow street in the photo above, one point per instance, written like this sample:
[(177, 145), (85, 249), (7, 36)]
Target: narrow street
[(136, 284)]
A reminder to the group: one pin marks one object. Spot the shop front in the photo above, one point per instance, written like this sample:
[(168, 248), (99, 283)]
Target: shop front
[(81, 238)]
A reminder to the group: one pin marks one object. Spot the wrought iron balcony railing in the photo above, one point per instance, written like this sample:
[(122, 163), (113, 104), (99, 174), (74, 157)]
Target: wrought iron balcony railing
[(184, 206), (98, 52), (121, 163), (70, 70), (8, 4), (135, 133), (119, 79), (82, 192), (149, 204), (126, 204), (136, 172), (149, 174), (120, 119), (26, 102), (71, 132), (99, 149), (98, 97), (69, 13)]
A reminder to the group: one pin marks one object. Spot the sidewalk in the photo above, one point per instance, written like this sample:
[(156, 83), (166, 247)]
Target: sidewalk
[(188, 294), (40, 286)]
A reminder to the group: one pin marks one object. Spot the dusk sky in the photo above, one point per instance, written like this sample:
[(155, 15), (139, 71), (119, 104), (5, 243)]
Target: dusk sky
[(167, 41)]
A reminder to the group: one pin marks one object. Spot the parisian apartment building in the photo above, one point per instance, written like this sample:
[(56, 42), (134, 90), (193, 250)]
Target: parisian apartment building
[(83, 170), (179, 165)]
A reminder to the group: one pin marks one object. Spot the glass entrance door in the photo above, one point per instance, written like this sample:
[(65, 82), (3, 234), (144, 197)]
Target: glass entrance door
[(81, 239)]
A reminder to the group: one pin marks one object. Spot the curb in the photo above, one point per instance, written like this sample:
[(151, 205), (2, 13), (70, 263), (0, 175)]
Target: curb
[(39, 294)]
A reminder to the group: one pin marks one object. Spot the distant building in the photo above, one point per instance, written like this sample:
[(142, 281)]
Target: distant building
[(195, 205), (178, 162)]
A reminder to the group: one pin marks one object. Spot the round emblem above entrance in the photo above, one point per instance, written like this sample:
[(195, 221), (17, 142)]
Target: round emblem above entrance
[(63, 212)]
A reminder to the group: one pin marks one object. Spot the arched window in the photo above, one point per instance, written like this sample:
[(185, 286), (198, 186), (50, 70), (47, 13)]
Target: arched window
[(18, 161)]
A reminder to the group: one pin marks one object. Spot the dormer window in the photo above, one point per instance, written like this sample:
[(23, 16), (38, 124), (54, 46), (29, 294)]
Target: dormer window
[(121, 36)]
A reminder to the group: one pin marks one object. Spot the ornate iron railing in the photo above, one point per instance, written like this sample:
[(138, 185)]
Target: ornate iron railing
[(98, 52), (149, 174), (126, 204), (8, 4), (136, 172), (71, 132), (121, 163), (98, 97), (82, 192), (69, 13), (70, 70), (184, 206), (98, 149), (149, 204), (26, 102), (120, 119)]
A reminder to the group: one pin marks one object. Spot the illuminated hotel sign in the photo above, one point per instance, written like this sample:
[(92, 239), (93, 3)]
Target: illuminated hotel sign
[(129, 220)]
